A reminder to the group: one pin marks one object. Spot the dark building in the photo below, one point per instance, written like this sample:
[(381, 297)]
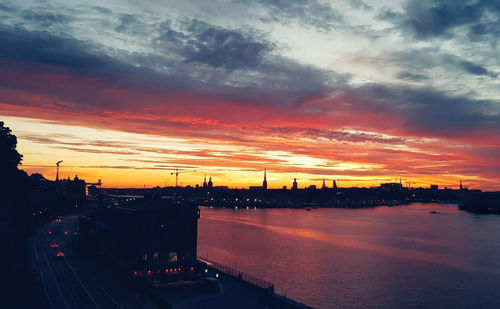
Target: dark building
[(153, 240), (294, 185), (391, 186), (57, 197), (210, 183)]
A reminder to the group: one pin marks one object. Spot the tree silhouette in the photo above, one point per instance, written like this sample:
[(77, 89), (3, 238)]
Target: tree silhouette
[(16, 223), (9, 157)]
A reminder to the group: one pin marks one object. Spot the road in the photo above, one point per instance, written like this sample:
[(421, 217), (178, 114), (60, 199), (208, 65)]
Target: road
[(70, 281)]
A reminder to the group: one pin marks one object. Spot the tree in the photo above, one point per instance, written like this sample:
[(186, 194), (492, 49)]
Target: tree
[(9, 157)]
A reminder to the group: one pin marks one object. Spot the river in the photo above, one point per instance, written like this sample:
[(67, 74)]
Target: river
[(383, 257)]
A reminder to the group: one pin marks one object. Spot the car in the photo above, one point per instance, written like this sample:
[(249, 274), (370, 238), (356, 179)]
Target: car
[(60, 254), (54, 246)]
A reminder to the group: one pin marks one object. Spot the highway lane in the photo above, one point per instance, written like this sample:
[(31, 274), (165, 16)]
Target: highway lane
[(68, 281)]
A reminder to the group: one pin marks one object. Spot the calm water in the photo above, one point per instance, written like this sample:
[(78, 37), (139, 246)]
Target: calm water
[(384, 257)]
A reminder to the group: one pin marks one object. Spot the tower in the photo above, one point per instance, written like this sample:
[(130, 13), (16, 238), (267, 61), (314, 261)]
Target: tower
[(264, 183), (334, 184), (205, 181), (294, 186), (324, 185), (210, 183), (461, 188), (57, 172)]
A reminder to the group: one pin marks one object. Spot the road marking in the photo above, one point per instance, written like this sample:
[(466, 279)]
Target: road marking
[(55, 280), (41, 273), (81, 283), (100, 285)]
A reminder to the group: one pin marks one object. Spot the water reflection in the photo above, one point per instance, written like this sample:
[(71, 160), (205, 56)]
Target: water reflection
[(359, 258)]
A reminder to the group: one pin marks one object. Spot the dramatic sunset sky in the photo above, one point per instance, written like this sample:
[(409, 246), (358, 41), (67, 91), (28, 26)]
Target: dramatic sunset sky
[(359, 91)]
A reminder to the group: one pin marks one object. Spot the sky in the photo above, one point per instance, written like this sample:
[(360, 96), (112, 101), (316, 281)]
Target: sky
[(362, 92)]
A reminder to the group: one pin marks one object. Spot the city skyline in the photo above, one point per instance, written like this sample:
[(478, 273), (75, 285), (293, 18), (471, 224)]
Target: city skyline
[(357, 91)]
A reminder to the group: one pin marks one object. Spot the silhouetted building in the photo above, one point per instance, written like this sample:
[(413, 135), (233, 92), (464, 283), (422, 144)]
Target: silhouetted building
[(434, 187), (210, 183), (205, 181), (153, 240), (391, 186), (334, 184), (324, 185), (294, 185)]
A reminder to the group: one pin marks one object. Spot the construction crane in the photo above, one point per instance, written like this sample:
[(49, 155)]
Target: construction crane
[(98, 183), (57, 173), (176, 172)]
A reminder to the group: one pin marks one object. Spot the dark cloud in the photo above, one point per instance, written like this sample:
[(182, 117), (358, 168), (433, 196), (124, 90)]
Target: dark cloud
[(333, 135), (475, 69), (43, 19), (436, 18), (102, 10), (426, 59), (358, 4), (215, 46), (412, 76), (127, 21), (235, 65), (44, 48), (6, 8), (308, 12), (426, 110), (101, 151)]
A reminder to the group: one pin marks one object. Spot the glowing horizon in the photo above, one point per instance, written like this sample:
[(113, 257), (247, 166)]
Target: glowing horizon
[(150, 159)]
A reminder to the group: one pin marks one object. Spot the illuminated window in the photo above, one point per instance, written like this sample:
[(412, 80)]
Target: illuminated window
[(155, 256), (172, 256), (145, 257)]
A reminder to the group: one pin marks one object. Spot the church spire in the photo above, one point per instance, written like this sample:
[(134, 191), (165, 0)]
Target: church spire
[(264, 183)]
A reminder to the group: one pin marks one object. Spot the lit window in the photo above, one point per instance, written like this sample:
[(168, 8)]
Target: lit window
[(172, 256), (145, 257), (155, 256)]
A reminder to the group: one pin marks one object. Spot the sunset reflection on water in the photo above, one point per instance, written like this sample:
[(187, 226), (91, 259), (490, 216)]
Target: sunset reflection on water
[(403, 249)]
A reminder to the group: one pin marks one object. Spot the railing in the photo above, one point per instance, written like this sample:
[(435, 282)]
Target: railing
[(239, 275)]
